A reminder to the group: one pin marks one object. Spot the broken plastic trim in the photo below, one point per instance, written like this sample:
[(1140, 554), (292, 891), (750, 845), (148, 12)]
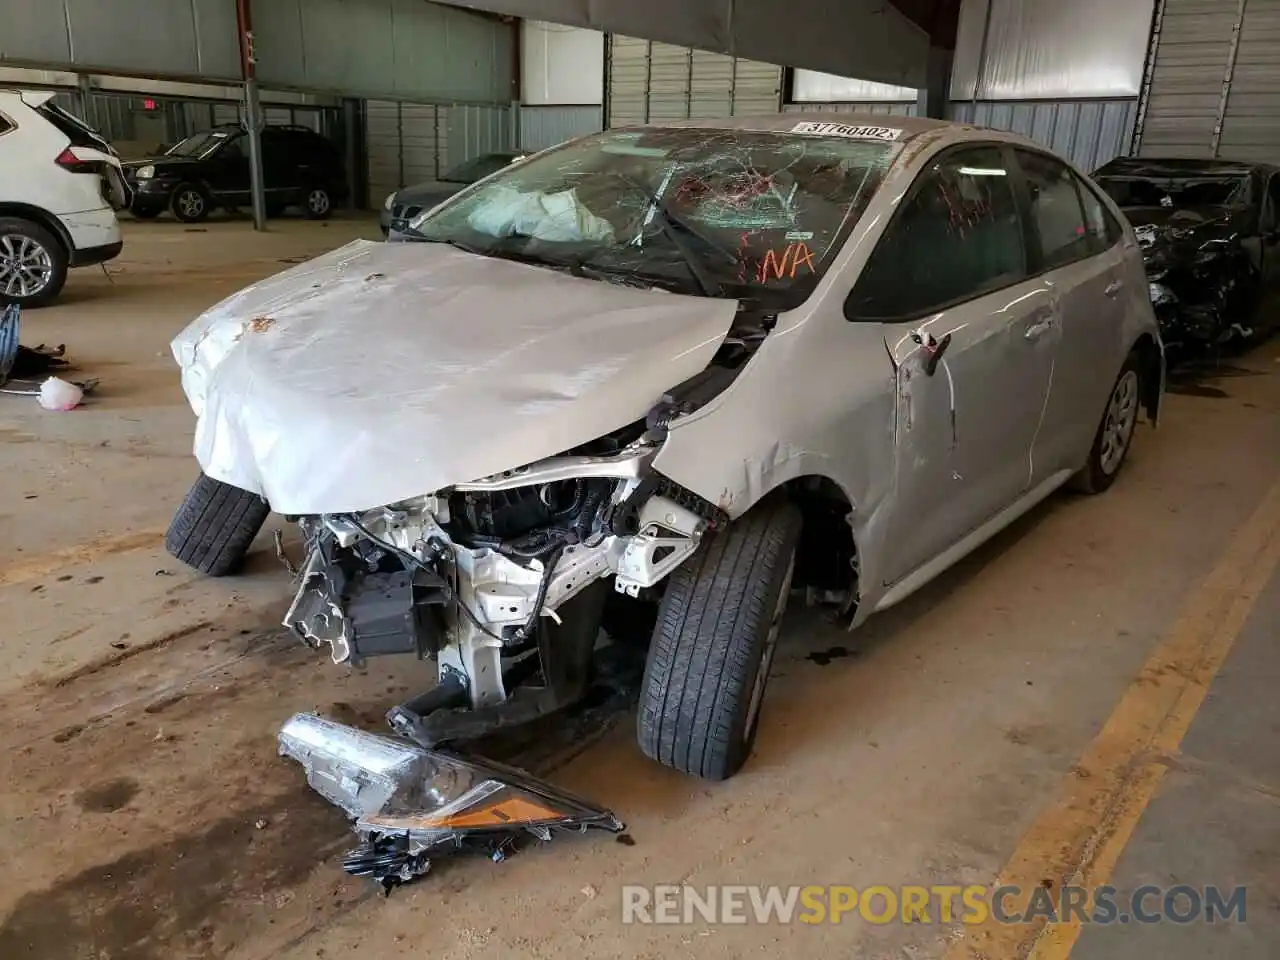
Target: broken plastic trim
[(411, 804)]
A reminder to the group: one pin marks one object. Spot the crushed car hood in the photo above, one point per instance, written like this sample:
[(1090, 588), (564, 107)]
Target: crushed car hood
[(1163, 238), (379, 372)]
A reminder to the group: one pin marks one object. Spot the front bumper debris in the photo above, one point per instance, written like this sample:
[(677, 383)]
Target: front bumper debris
[(411, 805)]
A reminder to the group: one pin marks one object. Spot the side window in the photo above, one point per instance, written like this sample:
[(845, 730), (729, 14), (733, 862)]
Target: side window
[(1056, 213), (232, 150), (1104, 232), (955, 237), (5, 125)]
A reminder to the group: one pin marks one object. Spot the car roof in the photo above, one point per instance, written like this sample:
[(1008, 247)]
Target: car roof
[(785, 122), (1180, 166)]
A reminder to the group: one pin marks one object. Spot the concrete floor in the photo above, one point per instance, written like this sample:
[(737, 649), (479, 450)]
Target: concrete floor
[(145, 813)]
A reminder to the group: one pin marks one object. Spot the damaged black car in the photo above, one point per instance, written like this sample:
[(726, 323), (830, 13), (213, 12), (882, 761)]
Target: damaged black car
[(1210, 236)]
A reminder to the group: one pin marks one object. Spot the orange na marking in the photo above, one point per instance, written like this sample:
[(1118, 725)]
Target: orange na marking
[(794, 257)]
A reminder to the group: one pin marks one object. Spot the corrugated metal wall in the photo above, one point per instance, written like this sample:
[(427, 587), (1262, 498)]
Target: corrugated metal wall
[(542, 127), (408, 49), (416, 142), (1087, 132), (650, 81), (1213, 86)]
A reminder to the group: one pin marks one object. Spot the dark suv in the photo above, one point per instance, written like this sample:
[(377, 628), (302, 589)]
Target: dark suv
[(211, 169)]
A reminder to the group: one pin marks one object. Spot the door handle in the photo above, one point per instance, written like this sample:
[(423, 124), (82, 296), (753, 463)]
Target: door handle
[(1114, 287), (1038, 329)]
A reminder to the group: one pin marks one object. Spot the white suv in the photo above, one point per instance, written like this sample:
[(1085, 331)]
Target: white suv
[(60, 187)]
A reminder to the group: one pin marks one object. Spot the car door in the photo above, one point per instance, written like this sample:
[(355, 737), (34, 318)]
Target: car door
[(971, 341), (1271, 238), (1076, 250), (227, 171)]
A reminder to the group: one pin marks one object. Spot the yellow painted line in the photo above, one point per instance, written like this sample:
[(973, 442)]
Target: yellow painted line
[(1078, 839), (41, 565)]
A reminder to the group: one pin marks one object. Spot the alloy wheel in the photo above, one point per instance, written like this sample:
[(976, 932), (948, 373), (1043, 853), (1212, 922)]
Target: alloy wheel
[(1117, 429), (318, 202), (191, 203), (26, 267)]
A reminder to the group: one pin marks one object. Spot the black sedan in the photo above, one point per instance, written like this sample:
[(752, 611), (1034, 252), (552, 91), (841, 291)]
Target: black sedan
[(402, 206), (1210, 233)]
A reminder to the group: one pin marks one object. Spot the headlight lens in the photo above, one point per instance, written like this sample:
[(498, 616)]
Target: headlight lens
[(147, 172), (391, 200)]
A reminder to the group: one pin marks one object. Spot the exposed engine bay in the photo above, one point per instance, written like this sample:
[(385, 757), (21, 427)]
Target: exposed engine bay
[(1201, 225), (502, 577), (1203, 282)]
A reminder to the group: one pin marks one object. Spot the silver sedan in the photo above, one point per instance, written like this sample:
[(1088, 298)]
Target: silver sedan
[(683, 369)]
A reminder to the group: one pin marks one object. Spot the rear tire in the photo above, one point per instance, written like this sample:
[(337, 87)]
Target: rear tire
[(215, 526), (1115, 433), (33, 263), (713, 646)]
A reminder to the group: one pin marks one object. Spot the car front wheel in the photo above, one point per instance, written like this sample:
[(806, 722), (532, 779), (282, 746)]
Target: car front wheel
[(33, 264), (215, 526), (713, 646), (189, 204), (318, 203)]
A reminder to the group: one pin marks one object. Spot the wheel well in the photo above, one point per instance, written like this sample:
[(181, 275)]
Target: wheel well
[(43, 218), (827, 559), (1152, 360)]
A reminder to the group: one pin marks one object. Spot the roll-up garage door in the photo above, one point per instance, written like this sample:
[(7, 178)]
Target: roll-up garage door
[(1213, 81), (650, 82), (404, 143)]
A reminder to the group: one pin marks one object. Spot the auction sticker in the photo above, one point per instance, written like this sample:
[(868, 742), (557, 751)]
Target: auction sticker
[(845, 130)]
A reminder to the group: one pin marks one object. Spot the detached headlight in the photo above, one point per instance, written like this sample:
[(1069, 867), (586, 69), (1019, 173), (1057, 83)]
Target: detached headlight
[(146, 173), (391, 200)]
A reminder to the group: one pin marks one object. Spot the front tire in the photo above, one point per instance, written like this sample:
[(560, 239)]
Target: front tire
[(318, 203), (215, 526), (33, 263), (190, 204), (1115, 433), (712, 649)]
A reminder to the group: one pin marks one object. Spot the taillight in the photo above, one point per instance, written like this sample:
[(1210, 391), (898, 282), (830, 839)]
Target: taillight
[(70, 161)]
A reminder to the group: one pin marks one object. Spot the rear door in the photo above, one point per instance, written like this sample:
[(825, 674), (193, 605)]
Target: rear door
[(969, 335), (1077, 252)]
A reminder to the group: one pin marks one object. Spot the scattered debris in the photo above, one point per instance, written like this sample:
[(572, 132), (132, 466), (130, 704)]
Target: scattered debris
[(59, 394), (261, 324), (26, 371), (589, 892), (261, 823), (410, 804)]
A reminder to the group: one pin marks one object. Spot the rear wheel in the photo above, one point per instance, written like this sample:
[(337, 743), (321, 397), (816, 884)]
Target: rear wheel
[(215, 526), (1115, 434), (713, 646), (33, 264)]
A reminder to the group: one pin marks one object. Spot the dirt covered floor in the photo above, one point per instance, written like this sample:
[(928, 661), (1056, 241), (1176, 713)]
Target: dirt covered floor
[(145, 814)]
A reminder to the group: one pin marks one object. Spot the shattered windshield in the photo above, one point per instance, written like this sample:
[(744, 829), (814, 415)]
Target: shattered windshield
[(197, 146), (733, 213)]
